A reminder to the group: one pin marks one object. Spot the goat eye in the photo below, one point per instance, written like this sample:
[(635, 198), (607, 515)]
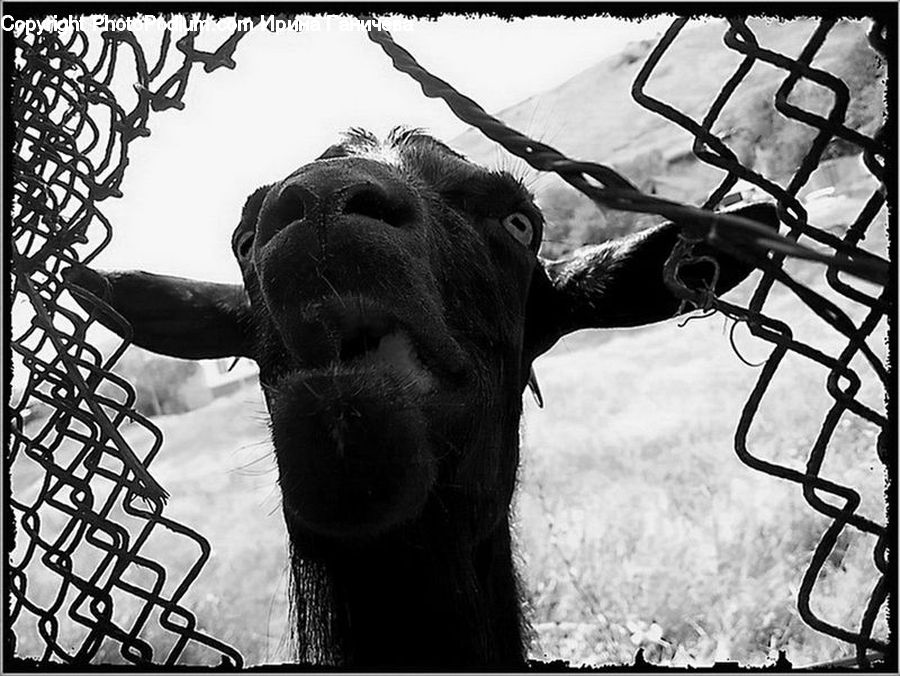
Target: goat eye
[(244, 245), (519, 226)]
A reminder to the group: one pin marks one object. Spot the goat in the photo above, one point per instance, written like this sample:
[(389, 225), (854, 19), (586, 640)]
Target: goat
[(394, 300)]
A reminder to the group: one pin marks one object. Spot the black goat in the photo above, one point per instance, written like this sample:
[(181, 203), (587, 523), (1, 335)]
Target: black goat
[(394, 300)]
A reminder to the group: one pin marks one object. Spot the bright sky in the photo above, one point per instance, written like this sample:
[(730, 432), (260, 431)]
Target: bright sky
[(288, 99)]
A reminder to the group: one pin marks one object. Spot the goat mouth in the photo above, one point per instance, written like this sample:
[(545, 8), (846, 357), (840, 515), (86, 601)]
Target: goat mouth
[(354, 336), (376, 341)]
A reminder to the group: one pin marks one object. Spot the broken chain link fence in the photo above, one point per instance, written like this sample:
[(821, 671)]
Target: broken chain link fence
[(85, 506), (839, 251), (88, 573)]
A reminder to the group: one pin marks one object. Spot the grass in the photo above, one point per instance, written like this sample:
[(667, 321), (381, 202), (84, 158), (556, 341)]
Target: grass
[(635, 511), (640, 527), (636, 524)]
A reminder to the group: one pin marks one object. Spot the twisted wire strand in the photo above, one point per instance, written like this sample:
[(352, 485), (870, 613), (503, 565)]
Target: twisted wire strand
[(615, 191)]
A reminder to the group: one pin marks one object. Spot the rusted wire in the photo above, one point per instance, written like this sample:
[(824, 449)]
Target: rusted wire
[(748, 241), (74, 585)]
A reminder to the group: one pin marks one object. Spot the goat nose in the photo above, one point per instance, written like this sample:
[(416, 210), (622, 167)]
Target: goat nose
[(338, 195), (293, 203), (373, 200)]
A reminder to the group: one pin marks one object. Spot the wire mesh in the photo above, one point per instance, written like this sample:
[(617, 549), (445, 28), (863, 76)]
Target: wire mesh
[(89, 577), (876, 308), (85, 504), (840, 251)]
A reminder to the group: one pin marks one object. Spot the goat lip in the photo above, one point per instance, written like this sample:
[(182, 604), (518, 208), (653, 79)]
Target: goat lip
[(392, 350), (346, 335)]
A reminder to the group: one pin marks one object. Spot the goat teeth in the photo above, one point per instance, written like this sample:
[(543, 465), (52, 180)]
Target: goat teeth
[(396, 350)]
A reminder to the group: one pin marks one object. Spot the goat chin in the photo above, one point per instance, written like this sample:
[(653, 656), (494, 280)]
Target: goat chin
[(353, 449)]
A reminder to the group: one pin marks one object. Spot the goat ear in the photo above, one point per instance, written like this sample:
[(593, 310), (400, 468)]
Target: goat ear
[(169, 315), (620, 283)]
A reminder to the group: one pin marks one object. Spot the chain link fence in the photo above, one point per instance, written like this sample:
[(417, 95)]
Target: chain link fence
[(875, 306), (89, 568), (88, 572)]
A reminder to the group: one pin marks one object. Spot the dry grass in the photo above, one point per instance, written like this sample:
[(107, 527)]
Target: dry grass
[(639, 526), (634, 509)]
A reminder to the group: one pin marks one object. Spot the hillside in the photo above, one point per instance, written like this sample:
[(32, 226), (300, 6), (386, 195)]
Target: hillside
[(593, 117)]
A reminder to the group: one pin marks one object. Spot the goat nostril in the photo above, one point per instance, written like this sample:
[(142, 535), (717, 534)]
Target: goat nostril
[(374, 202), (291, 205)]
